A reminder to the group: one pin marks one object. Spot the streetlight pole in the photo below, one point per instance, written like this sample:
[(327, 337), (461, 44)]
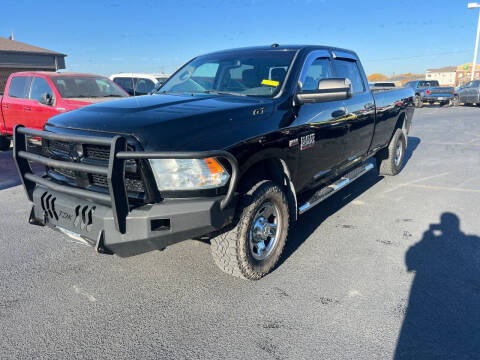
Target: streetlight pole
[(474, 6)]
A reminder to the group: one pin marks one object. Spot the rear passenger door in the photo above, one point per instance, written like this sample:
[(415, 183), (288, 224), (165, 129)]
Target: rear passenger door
[(320, 127), (476, 91), (14, 102), (360, 119)]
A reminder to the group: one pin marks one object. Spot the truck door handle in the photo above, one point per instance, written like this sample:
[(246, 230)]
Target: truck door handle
[(27, 108), (5, 106)]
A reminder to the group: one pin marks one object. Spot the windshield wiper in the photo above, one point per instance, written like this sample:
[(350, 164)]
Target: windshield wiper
[(221, 92)]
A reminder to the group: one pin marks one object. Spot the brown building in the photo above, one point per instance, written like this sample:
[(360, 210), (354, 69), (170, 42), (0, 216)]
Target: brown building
[(17, 56), (464, 73)]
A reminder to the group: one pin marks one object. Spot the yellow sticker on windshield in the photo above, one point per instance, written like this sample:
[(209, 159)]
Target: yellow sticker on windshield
[(270, 82)]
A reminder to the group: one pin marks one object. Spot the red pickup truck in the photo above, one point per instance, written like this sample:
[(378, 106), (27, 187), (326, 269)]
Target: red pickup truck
[(31, 98)]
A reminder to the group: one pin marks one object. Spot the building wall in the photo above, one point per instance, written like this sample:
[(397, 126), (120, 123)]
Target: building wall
[(464, 74), (444, 78)]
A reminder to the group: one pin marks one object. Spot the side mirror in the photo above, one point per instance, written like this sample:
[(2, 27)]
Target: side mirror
[(328, 90), (46, 99)]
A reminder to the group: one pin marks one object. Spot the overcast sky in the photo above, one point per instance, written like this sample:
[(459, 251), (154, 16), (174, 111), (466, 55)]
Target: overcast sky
[(111, 36)]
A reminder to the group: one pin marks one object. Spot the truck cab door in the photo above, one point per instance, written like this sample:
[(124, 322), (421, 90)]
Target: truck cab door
[(13, 104), (38, 111), (465, 93), (476, 92), (320, 128), (360, 119)]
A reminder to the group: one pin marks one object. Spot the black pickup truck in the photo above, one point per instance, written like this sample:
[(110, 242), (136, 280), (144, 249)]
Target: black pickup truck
[(233, 147)]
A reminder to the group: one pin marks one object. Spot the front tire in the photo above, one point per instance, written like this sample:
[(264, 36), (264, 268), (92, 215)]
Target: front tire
[(251, 248), (390, 160), (4, 143)]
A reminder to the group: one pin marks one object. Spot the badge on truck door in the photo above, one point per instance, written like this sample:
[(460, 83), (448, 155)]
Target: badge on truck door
[(307, 141)]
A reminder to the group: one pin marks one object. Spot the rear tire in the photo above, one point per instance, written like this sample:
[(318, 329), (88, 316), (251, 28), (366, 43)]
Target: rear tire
[(4, 143), (418, 101), (252, 246), (456, 101), (390, 160)]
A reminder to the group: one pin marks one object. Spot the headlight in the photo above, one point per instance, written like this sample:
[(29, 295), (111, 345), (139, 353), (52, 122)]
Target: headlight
[(188, 174)]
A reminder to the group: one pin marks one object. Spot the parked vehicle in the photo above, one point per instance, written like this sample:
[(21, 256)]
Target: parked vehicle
[(469, 94), (458, 88), (234, 148), (31, 98), (138, 84), (430, 92)]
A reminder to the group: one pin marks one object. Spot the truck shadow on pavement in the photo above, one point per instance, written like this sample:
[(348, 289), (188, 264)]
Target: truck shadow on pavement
[(442, 320), (8, 171), (413, 143), (311, 220)]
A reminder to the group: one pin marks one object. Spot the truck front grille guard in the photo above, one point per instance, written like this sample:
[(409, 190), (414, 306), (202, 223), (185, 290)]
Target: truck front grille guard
[(115, 171)]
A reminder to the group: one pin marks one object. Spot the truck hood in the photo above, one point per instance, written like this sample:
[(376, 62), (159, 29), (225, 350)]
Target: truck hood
[(173, 122)]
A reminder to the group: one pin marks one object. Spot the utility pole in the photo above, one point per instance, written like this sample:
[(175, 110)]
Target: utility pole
[(475, 6)]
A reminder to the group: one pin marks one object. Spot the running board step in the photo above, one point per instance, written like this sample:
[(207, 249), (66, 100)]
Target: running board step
[(331, 189)]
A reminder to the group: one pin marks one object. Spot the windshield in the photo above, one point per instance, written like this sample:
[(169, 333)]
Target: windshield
[(87, 87), (247, 73)]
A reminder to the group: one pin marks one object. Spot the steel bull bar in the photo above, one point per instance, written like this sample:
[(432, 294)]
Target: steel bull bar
[(116, 198)]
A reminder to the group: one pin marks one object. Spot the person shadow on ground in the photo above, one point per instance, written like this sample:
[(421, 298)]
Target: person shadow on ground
[(442, 320)]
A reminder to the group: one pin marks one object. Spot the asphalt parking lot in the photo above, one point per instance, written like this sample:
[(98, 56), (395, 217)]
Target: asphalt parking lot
[(387, 268)]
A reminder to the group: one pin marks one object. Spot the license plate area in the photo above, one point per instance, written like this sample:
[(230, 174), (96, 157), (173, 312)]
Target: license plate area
[(80, 217)]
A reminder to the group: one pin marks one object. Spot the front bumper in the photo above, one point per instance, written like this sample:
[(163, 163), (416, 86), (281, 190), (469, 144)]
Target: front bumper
[(109, 220), (149, 227)]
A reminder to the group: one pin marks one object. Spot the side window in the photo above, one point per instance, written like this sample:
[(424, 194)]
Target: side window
[(349, 69), (144, 85), (40, 87), (19, 86), (125, 83), (318, 70)]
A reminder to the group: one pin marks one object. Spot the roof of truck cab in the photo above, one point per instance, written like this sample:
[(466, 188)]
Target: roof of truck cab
[(284, 48), (57, 74)]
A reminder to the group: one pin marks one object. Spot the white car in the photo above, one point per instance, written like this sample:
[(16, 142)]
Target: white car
[(139, 84)]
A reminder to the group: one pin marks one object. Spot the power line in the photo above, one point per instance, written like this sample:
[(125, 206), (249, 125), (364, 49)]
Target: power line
[(420, 56)]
